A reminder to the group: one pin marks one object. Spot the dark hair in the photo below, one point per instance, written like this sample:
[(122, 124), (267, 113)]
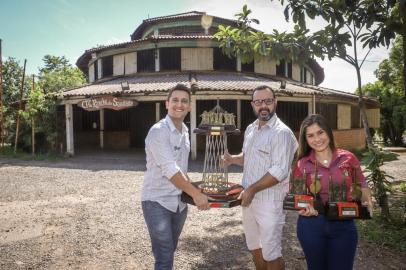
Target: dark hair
[(304, 148), (262, 87), (179, 87)]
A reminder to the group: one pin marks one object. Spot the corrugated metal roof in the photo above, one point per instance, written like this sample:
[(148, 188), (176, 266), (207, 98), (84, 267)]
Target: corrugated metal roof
[(201, 81)]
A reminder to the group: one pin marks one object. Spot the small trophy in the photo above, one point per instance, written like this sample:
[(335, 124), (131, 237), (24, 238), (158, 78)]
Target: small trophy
[(339, 207), (298, 197)]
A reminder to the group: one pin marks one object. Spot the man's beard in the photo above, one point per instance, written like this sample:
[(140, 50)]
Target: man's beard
[(264, 118)]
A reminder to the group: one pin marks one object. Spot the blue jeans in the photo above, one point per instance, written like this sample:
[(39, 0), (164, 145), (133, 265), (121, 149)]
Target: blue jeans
[(327, 245), (164, 229)]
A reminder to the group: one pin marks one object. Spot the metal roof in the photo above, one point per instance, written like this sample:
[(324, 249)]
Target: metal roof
[(212, 81)]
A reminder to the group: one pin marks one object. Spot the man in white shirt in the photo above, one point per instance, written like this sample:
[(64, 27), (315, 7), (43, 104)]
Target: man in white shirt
[(167, 150), (267, 155)]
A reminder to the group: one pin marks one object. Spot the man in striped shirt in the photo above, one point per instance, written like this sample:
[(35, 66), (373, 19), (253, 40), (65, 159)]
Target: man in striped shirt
[(167, 150), (267, 154)]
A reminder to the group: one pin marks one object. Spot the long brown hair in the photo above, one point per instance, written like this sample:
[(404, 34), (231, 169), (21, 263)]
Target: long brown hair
[(304, 148)]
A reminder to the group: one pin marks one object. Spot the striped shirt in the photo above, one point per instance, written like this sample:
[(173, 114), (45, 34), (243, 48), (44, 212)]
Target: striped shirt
[(271, 149), (167, 152)]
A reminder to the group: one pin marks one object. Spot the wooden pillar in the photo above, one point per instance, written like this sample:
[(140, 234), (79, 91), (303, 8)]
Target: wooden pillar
[(157, 60), (314, 104), (70, 150), (157, 111), (239, 114), (239, 63), (193, 125), (101, 128)]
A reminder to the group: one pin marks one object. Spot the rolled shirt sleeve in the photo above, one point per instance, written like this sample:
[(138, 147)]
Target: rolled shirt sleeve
[(285, 146)]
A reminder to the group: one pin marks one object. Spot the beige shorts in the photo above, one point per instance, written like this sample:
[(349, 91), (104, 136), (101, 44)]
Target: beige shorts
[(263, 223)]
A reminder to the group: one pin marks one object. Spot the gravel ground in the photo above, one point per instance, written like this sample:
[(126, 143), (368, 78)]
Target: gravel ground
[(85, 213)]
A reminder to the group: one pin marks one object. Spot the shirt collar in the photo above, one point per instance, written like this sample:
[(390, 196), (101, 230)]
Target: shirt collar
[(172, 125), (271, 122), (336, 155)]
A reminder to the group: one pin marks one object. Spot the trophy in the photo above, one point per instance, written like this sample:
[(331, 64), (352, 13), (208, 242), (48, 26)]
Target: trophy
[(216, 125), (300, 197), (339, 207)]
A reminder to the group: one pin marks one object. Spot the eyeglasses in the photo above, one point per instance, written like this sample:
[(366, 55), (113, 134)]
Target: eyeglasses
[(267, 101)]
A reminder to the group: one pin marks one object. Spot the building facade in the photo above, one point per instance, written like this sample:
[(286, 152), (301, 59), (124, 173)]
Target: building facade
[(128, 84)]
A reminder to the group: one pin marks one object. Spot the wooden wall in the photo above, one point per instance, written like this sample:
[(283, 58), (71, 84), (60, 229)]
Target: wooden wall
[(343, 116), (197, 58)]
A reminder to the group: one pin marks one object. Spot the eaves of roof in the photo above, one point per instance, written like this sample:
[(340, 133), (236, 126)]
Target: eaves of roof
[(149, 83)]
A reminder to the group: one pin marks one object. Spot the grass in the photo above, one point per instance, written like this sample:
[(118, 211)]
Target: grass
[(8, 151), (390, 233)]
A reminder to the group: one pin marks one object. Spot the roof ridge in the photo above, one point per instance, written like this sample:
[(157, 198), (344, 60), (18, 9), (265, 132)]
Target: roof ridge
[(189, 13)]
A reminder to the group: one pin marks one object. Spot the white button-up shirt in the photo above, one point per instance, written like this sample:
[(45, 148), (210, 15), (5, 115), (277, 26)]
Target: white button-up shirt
[(167, 152), (268, 149)]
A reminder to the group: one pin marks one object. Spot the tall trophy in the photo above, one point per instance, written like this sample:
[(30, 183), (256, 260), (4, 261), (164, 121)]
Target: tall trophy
[(216, 125), (339, 207)]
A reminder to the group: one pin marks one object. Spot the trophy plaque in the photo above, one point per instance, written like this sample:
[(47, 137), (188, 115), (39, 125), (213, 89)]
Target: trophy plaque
[(339, 207), (216, 125)]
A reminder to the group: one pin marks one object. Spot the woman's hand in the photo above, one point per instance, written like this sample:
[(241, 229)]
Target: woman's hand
[(367, 200), (309, 211)]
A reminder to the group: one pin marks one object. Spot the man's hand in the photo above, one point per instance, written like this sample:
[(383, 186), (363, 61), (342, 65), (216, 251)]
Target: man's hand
[(226, 159), (370, 206), (201, 201), (246, 197)]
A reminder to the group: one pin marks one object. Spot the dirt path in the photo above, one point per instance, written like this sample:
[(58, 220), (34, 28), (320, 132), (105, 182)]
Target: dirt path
[(85, 213)]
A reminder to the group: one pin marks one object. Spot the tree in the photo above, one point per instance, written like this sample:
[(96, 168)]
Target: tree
[(35, 105), (389, 90), (389, 18), (56, 75), (12, 75), (347, 25)]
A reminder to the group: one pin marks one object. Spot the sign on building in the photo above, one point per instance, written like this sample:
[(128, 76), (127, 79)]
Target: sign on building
[(107, 102)]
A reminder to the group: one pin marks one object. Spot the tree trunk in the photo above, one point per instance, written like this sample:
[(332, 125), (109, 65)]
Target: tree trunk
[(364, 118), (33, 136), (384, 205), (20, 108), (402, 9)]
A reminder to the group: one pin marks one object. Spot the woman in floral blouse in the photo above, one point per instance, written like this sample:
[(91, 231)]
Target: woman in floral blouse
[(327, 244)]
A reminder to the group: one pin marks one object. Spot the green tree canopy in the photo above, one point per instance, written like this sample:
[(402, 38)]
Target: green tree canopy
[(389, 90)]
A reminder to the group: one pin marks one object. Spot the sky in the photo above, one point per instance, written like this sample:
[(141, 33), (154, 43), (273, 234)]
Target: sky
[(31, 29)]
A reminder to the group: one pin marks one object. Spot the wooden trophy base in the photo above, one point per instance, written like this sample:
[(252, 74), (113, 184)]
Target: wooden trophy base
[(220, 199), (347, 211)]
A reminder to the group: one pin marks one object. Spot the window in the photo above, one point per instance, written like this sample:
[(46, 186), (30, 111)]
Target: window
[(116, 120), (292, 113), (90, 120), (107, 65), (284, 69), (247, 115), (248, 67), (303, 75), (96, 70), (169, 59), (146, 61), (329, 111), (222, 61), (355, 117)]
